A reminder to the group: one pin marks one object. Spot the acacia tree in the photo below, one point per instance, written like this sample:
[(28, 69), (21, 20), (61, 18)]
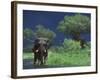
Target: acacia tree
[(41, 31), (27, 39), (28, 34), (75, 25)]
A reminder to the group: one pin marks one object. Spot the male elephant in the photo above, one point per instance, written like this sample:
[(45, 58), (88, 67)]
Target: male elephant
[(40, 51)]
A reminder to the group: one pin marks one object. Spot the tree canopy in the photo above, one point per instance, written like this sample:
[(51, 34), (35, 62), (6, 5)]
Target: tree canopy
[(41, 31), (38, 32), (28, 34), (74, 25)]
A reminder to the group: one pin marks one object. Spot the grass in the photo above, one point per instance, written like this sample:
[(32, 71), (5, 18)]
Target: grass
[(70, 58)]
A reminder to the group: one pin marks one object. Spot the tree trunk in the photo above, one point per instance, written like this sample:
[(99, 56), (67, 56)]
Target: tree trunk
[(82, 43), (76, 37)]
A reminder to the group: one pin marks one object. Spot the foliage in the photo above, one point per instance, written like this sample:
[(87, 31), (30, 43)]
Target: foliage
[(28, 34), (72, 58), (67, 45), (57, 49), (70, 44), (76, 23), (41, 31)]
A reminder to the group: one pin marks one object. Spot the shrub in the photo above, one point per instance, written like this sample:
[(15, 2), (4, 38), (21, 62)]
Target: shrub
[(70, 44), (57, 49)]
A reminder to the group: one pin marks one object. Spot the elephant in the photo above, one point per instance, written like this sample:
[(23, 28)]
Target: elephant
[(40, 51)]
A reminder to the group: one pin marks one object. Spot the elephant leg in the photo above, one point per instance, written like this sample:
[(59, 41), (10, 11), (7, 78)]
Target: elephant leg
[(45, 57), (35, 59), (41, 61)]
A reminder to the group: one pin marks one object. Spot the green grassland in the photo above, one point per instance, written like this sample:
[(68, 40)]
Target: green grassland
[(69, 54), (72, 58)]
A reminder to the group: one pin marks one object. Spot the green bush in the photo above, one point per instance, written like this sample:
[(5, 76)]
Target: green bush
[(67, 45), (70, 44), (57, 49)]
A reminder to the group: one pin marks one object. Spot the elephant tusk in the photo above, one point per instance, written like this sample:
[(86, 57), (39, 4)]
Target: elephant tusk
[(44, 50), (36, 51)]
